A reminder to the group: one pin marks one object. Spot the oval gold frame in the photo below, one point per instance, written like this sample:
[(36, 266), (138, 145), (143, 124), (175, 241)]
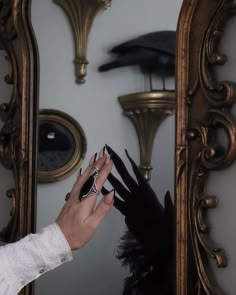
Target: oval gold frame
[(80, 145)]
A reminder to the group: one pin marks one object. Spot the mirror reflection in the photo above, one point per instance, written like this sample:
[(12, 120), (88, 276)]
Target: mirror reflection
[(96, 107), (55, 147)]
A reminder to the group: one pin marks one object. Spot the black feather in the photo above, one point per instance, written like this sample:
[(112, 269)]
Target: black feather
[(147, 247), (153, 53)]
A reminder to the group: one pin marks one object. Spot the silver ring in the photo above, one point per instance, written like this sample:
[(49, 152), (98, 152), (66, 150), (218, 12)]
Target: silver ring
[(89, 188), (96, 169), (67, 197)]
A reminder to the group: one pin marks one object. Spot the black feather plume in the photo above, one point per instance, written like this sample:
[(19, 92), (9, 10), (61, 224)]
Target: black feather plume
[(147, 247)]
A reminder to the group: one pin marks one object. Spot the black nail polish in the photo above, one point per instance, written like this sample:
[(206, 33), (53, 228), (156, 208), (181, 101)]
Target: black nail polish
[(80, 171), (95, 157)]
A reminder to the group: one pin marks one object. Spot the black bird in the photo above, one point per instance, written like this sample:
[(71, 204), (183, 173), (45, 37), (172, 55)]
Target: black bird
[(153, 53), (147, 247)]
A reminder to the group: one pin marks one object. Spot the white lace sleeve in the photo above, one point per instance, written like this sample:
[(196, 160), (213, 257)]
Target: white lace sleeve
[(24, 261)]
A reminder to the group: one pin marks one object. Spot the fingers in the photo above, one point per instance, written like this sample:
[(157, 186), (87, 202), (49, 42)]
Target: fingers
[(118, 203), (102, 165), (103, 173), (101, 211), (88, 204), (82, 178)]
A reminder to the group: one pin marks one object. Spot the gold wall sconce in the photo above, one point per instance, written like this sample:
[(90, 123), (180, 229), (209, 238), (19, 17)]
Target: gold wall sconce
[(147, 110), (81, 14)]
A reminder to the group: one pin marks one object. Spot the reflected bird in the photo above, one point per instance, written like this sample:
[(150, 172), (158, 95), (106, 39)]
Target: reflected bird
[(153, 53)]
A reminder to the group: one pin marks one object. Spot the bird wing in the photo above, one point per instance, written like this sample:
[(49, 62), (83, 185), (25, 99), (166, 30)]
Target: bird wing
[(148, 244), (164, 41), (141, 57), (144, 214)]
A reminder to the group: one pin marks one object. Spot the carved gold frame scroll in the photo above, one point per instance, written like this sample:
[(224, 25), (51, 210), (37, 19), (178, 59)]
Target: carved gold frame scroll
[(19, 133), (203, 107)]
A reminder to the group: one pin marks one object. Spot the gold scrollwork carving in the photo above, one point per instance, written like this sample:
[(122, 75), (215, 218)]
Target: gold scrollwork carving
[(199, 204), (211, 158), (147, 110), (19, 116), (181, 161), (207, 111), (218, 93)]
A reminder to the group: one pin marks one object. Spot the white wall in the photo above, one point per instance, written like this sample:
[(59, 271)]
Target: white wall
[(95, 106)]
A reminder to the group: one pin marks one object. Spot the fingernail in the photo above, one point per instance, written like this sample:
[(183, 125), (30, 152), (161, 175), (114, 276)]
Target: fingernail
[(108, 199), (79, 173), (93, 159), (108, 159), (101, 153)]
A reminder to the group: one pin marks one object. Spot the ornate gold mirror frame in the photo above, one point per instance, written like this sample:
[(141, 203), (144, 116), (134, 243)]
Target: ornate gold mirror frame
[(203, 108), (19, 133)]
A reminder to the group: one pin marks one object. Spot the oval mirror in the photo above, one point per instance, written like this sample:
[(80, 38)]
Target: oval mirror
[(61, 145)]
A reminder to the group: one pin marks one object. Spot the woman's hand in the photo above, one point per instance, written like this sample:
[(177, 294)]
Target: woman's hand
[(79, 220)]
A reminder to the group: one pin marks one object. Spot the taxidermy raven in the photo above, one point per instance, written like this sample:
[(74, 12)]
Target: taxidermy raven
[(147, 247), (153, 53)]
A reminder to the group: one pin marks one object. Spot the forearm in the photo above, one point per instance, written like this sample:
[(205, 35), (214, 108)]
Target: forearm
[(24, 261)]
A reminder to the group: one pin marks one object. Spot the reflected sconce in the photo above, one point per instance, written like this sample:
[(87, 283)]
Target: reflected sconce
[(81, 14), (147, 110)]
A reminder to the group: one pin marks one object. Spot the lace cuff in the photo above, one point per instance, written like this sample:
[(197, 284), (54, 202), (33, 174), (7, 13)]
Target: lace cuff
[(24, 261)]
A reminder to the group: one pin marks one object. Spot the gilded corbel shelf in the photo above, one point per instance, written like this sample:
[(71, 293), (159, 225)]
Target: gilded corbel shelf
[(81, 14), (147, 110)]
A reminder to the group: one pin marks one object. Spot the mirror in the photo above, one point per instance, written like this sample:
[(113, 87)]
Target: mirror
[(61, 145), (96, 107)]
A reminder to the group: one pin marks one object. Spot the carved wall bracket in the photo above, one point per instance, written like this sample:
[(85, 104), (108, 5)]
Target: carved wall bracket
[(81, 14), (147, 110)]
